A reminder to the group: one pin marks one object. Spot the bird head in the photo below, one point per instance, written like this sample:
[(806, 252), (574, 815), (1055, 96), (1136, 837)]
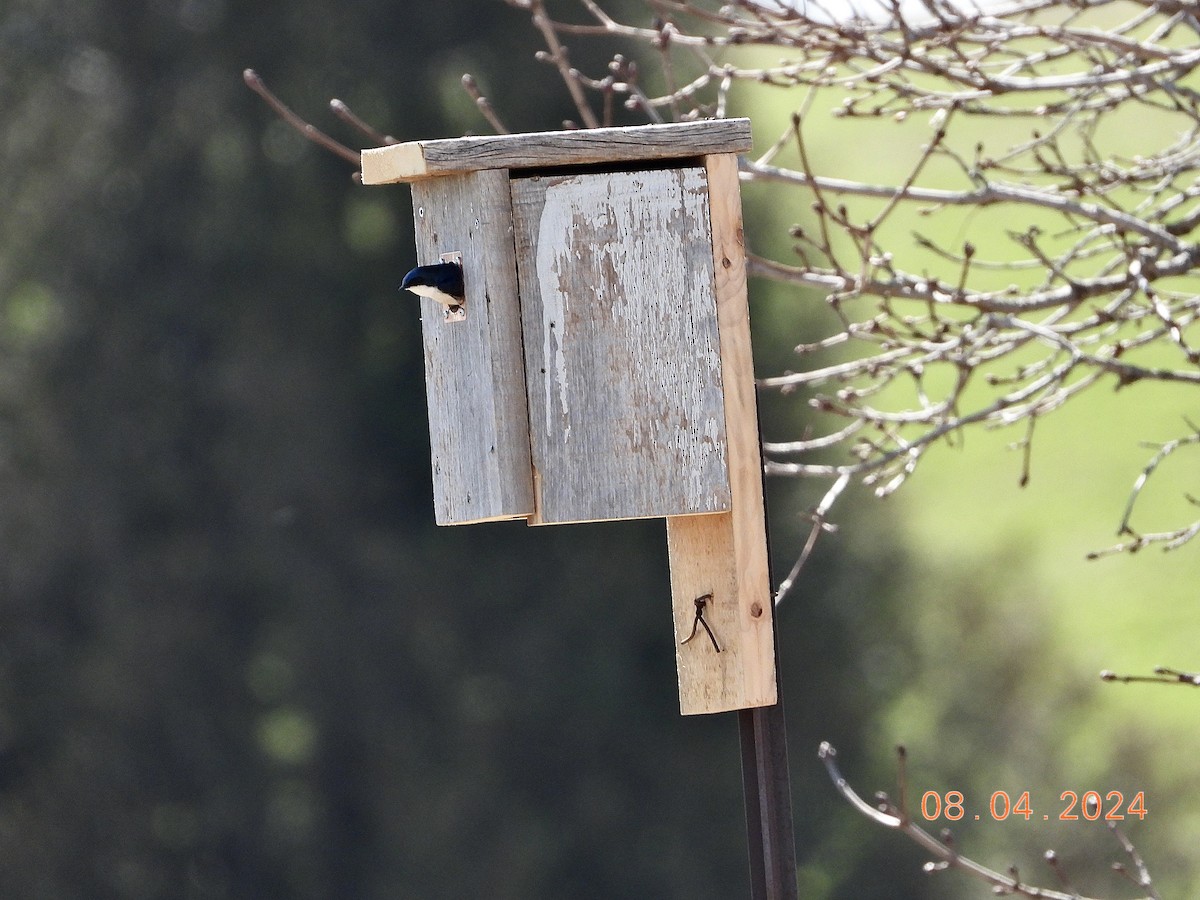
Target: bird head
[(442, 282)]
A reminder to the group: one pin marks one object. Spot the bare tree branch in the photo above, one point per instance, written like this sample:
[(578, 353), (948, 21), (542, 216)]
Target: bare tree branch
[(483, 104), (314, 134), (1162, 675), (1098, 281), (343, 112), (1171, 540)]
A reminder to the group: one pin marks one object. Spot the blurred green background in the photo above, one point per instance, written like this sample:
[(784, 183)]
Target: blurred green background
[(237, 660)]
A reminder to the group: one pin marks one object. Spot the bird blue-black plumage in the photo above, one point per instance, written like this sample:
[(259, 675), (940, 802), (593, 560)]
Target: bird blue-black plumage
[(442, 282)]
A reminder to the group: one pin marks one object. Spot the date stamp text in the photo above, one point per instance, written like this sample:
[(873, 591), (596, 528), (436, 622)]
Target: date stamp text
[(1091, 806)]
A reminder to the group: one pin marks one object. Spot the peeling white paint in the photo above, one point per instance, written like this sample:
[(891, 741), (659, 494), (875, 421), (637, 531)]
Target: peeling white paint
[(551, 274)]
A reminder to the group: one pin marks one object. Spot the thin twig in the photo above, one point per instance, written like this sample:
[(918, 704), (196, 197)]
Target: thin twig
[(1143, 879), (483, 104), (343, 112), (314, 134), (818, 525), (1162, 675), (558, 56)]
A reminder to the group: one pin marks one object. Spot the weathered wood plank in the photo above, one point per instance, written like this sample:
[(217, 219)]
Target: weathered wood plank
[(726, 555), (474, 375), (700, 549), (421, 159), (621, 345)]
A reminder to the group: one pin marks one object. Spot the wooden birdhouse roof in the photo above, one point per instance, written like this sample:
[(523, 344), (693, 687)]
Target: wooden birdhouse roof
[(416, 160)]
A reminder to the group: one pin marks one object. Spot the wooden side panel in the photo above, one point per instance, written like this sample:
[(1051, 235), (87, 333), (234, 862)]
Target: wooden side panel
[(621, 345), (726, 555), (474, 376), (540, 149)]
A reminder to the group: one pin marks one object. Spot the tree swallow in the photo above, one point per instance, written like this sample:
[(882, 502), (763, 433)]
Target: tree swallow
[(442, 282)]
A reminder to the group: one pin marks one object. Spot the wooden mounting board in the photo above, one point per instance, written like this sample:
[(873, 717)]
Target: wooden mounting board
[(726, 555)]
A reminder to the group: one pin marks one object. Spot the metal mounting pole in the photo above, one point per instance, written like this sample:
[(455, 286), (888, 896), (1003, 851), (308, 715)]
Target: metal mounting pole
[(767, 785)]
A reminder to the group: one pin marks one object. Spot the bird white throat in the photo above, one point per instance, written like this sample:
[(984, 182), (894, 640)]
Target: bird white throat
[(427, 290)]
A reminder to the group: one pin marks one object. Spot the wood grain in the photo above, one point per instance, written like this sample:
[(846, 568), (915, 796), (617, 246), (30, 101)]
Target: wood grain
[(422, 159), (622, 361), (726, 555), (474, 374)]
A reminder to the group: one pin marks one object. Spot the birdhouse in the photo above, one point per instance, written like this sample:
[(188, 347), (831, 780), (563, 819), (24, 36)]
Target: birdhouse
[(598, 366)]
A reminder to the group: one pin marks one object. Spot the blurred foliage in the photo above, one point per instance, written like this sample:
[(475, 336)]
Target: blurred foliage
[(236, 657)]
